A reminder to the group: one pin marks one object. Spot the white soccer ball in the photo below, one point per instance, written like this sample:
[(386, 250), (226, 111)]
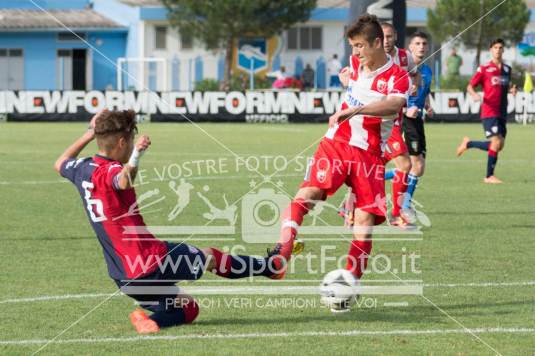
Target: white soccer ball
[(338, 290)]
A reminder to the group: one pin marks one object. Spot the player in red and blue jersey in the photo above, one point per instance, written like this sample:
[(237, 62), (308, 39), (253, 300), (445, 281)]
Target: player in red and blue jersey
[(495, 78), (142, 266)]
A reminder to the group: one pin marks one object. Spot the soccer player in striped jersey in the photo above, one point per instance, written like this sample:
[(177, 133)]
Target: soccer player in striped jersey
[(352, 150), (396, 149)]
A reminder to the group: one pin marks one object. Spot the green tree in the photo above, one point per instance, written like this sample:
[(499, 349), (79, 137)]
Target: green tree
[(450, 17), (220, 23)]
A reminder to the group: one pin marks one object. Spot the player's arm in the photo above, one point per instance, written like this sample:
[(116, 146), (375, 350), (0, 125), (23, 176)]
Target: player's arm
[(474, 82), (416, 78), (385, 108), (74, 150), (475, 95), (125, 179), (344, 76), (414, 74), (428, 109)]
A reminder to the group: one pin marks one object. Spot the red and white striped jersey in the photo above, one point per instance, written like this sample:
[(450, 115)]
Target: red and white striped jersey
[(403, 58), (370, 132)]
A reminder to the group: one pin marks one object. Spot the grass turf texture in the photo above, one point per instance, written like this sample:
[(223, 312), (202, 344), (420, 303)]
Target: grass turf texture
[(479, 234)]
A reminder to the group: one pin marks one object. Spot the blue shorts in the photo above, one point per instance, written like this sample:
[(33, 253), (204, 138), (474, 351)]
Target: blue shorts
[(182, 263), (494, 126), (335, 81)]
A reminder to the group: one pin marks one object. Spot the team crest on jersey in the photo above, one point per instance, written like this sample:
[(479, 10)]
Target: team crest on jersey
[(321, 175), (495, 80), (381, 85), (396, 146)]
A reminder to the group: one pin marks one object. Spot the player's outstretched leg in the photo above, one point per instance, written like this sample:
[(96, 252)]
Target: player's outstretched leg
[(417, 171), (291, 220), (361, 246), (167, 311), (496, 144), (399, 187), (241, 266), (466, 144)]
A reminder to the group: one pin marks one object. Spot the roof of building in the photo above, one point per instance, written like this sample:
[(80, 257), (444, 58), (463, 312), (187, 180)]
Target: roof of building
[(142, 2), (24, 19)]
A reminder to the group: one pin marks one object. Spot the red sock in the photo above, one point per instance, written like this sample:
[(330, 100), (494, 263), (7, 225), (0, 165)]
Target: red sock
[(191, 311), (357, 258), (399, 187), (291, 219), (223, 263)]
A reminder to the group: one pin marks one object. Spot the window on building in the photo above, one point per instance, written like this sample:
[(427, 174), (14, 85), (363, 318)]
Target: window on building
[(316, 38), (69, 36), (11, 69), (186, 41), (160, 40), (292, 38), (304, 38), (71, 69)]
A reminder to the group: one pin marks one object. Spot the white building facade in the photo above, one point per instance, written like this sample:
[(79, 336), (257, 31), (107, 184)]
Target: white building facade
[(159, 58)]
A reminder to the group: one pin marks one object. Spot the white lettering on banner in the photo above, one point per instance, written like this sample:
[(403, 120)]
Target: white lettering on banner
[(217, 100), (273, 103), (255, 102), (259, 105), (135, 103), (198, 103), (14, 102), (235, 103), (381, 10), (94, 97), (57, 102), (76, 100), (114, 100)]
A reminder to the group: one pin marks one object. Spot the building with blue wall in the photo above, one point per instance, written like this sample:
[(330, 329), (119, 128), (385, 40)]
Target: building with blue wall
[(54, 44)]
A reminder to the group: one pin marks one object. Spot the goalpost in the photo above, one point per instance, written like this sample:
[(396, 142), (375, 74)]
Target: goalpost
[(142, 74)]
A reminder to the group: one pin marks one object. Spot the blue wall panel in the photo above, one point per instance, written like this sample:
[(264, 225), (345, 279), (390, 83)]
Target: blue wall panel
[(45, 4), (40, 53)]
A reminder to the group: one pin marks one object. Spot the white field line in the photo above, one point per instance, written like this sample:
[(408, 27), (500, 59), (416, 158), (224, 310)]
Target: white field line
[(252, 289), (400, 332)]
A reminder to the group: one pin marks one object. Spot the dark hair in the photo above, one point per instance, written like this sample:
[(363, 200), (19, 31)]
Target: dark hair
[(497, 40), (368, 26), (111, 125), (420, 34), (388, 24)]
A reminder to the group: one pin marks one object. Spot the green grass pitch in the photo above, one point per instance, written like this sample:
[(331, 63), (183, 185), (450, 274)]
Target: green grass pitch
[(477, 257)]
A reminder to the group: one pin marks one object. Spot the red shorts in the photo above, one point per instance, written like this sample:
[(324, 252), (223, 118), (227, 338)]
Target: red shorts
[(395, 146), (336, 163)]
